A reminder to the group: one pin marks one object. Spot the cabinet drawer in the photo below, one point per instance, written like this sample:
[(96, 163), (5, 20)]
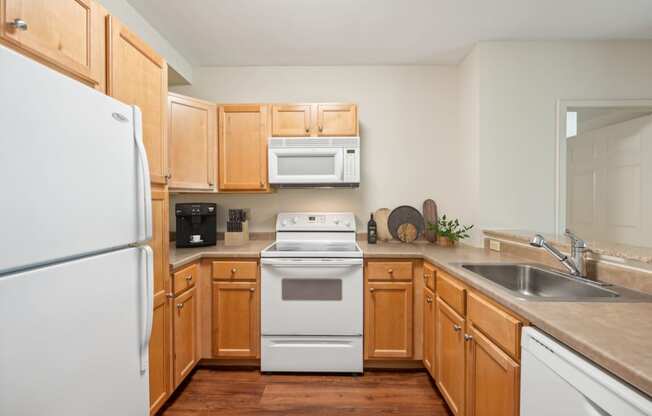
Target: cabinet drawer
[(451, 291), (429, 276), (389, 270), (499, 326), (185, 278), (235, 270)]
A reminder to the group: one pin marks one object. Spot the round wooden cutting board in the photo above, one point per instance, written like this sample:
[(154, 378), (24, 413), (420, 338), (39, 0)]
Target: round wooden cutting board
[(430, 217), (405, 214), (407, 233), (381, 216)]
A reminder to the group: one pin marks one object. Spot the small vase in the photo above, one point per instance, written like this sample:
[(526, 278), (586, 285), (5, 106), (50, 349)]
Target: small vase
[(445, 242)]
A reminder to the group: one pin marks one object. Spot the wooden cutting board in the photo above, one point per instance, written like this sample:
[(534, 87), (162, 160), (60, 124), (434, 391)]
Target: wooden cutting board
[(430, 217), (405, 215), (381, 216)]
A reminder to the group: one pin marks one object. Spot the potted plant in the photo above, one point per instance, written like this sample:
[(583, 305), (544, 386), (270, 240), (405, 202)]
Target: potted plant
[(449, 232)]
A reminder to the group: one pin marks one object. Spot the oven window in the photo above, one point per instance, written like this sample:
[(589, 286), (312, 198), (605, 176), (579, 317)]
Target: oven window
[(312, 289), (306, 165)]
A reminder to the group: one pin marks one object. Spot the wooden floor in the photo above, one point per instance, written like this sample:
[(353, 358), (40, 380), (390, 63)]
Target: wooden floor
[(248, 392)]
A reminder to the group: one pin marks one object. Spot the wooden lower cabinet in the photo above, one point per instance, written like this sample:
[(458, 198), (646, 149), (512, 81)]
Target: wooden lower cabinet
[(429, 319), (388, 320), (492, 378), (236, 317), (185, 334), (450, 356), (159, 355)]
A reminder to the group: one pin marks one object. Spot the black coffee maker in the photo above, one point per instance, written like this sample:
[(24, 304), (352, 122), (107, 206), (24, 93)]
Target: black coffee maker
[(196, 224)]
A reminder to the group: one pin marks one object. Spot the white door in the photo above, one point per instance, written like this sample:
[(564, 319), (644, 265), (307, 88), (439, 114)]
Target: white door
[(311, 297), (72, 337), (71, 177), (607, 196)]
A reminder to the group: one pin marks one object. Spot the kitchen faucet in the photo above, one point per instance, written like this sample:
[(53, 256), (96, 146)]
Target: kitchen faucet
[(575, 263)]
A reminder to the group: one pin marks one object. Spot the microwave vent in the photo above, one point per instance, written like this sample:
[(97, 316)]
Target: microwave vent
[(288, 142)]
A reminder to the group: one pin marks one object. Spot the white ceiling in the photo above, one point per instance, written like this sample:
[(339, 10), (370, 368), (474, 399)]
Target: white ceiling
[(361, 32)]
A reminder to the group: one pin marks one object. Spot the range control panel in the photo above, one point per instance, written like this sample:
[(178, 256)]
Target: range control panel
[(315, 221)]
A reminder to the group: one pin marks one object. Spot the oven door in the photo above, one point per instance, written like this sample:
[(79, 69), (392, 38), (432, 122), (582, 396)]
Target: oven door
[(306, 165), (311, 297)]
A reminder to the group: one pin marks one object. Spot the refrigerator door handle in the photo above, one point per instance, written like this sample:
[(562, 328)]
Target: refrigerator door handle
[(149, 306), (144, 169)]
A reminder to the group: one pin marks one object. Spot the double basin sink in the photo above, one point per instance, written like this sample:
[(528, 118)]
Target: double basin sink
[(539, 283)]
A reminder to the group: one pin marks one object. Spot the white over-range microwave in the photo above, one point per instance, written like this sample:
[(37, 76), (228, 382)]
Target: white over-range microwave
[(314, 161)]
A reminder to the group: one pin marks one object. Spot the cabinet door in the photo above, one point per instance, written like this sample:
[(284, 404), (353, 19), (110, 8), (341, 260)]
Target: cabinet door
[(160, 386), (388, 320), (193, 142), (429, 331), (138, 76), (337, 119), (236, 331), (59, 32), (492, 378), (291, 120), (449, 352), (185, 341), (243, 132)]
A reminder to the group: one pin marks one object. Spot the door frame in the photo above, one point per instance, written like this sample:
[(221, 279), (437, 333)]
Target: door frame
[(560, 148)]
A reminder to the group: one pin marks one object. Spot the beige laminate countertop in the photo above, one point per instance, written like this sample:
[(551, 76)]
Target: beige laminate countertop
[(617, 336)]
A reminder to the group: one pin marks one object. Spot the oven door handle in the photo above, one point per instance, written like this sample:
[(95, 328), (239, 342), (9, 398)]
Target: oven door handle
[(310, 263)]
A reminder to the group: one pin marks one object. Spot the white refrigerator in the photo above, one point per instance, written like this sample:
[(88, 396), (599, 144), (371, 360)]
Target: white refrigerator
[(75, 273)]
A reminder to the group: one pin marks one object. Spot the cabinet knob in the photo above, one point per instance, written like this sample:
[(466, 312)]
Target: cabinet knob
[(390, 271), (169, 295), (371, 289), (251, 289), (188, 279), (321, 128), (468, 337), (179, 305), (456, 328), (234, 270), (19, 24), (307, 129), (429, 299)]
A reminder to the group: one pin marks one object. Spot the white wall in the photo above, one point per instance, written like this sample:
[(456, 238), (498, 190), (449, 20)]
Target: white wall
[(409, 134), (519, 86), (137, 24)]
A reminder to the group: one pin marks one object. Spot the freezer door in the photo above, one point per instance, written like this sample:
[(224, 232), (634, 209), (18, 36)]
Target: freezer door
[(72, 337), (71, 177)]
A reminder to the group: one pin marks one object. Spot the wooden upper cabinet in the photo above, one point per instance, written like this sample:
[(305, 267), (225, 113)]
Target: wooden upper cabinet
[(243, 132), (337, 120), (192, 136), (428, 307), (449, 353), (292, 119), (236, 327), (65, 34), (492, 378), (138, 76), (185, 334), (388, 320)]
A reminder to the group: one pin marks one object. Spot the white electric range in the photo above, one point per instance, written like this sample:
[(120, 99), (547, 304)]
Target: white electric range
[(312, 295)]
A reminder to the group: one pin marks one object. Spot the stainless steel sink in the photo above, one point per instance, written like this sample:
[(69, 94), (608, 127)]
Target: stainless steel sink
[(535, 282)]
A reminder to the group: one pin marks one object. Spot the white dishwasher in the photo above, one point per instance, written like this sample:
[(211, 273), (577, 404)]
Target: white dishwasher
[(557, 381)]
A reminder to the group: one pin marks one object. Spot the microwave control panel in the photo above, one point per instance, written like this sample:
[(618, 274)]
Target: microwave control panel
[(351, 165)]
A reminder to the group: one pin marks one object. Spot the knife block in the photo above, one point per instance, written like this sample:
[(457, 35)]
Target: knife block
[(237, 238)]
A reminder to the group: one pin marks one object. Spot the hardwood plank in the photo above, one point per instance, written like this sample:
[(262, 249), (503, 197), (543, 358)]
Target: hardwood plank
[(248, 392)]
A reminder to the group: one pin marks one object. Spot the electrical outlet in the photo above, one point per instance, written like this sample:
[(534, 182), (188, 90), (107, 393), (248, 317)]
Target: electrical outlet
[(494, 245)]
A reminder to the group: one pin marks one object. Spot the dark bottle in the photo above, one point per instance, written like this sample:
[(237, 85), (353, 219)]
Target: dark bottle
[(372, 232)]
